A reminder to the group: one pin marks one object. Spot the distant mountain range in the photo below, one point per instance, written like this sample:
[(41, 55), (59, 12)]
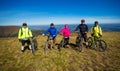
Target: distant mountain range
[(105, 27), (12, 31), (6, 31)]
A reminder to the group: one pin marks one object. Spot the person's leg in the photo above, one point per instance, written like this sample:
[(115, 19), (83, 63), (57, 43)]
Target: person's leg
[(29, 43), (51, 44), (22, 47), (66, 41), (54, 40), (85, 39)]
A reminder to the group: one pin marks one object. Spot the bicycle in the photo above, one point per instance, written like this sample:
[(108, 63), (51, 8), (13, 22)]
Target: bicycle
[(63, 43), (98, 43), (48, 43), (79, 42), (34, 45)]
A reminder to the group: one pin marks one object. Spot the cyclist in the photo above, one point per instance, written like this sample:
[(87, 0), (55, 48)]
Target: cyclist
[(24, 36), (96, 30), (53, 33), (83, 30), (66, 33)]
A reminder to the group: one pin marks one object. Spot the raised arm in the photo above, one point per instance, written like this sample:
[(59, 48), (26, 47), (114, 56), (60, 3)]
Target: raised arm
[(44, 33)]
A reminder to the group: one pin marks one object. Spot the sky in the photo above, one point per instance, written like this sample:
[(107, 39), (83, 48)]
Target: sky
[(44, 12)]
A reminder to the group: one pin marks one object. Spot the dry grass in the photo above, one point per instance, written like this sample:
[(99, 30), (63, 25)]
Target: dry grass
[(68, 59)]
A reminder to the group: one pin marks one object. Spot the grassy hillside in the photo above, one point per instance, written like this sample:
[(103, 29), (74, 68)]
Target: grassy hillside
[(68, 59)]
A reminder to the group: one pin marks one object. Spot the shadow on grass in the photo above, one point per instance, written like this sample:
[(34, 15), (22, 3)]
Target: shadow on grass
[(73, 46)]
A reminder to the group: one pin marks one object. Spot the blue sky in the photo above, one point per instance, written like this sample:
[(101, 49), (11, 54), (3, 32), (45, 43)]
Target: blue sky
[(41, 12)]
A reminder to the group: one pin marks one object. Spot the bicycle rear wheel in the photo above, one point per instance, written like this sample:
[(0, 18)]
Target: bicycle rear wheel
[(102, 45)]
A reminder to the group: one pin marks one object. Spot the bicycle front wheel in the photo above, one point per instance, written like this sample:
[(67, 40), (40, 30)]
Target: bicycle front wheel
[(33, 48), (102, 45), (80, 45), (90, 42), (61, 45), (46, 47)]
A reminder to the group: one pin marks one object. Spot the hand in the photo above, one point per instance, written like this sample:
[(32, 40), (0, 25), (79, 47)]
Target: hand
[(85, 32), (100, 35), (61, 33), (54, 35), (76, 31), (20, 40), (43, 34)]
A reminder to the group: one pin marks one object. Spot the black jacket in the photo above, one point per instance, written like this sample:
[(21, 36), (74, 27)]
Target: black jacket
[(83, 28)]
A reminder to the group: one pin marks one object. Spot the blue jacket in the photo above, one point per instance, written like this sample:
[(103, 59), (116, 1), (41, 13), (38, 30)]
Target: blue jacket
[(52, 31)]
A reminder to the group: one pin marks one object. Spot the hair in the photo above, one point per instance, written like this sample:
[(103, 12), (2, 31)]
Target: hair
[(24, 24), (52, 24), (82, 20), (96, 22)]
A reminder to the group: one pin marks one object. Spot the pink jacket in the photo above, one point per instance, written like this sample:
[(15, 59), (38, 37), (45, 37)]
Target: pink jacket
[(65, 31)]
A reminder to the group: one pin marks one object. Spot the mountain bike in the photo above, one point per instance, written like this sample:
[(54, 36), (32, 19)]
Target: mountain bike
[(34, 45), (63, 43), (79, 42), (98, 43), (48, 44)]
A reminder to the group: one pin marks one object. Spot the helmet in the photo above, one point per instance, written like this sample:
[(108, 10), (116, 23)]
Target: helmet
[(96, 23), (52, 24), (24, 24), (82, 20)]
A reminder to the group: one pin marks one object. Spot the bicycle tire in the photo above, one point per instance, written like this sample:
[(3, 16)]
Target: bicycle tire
[(61, 45), (33, 48), (102, 45), (80, 45), (46, 47), (89, 40), (35, 44)]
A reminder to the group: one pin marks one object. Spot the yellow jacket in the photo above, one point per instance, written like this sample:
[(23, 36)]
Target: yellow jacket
[(24, 33), (96, 31)]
